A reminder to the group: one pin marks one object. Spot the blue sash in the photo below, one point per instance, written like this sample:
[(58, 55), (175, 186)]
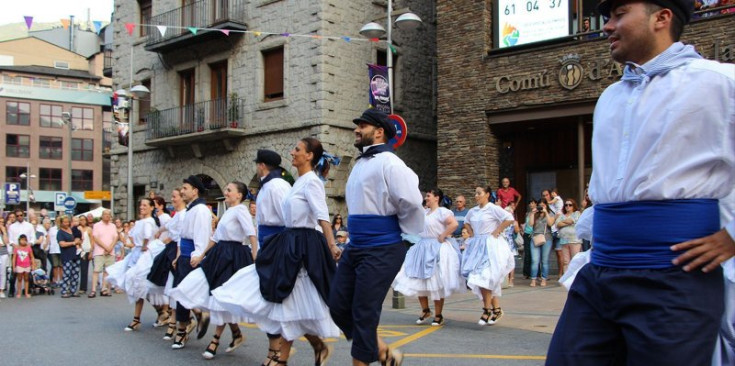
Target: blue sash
[(187, 247), (374, 230), (639, 234), (264, 231)]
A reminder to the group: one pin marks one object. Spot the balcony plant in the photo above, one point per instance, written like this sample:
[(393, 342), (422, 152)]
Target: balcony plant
[(233, 111)]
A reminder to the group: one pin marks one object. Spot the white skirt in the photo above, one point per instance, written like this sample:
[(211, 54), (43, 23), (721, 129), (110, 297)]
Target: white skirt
[(136, 277), (193, 293), (302, 312), (580, 260), (500, 263), (116, 272), (445, 280), (157, 294)]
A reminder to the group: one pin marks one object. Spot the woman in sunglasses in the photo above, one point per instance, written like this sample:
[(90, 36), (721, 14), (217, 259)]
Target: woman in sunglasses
[(565, 222)]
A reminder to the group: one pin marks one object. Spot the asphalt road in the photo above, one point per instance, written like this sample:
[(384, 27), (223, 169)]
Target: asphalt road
[(48, 330)]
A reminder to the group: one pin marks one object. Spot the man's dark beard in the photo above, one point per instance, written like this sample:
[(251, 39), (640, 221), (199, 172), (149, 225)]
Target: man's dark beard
[(364, 141)]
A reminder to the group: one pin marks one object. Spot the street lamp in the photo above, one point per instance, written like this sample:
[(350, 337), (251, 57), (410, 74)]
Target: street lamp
[(66, 119), (29, 193), (138, 92), (406, 21)]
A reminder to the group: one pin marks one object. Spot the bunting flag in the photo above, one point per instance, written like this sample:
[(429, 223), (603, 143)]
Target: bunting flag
[(130, 27), (347, 39), (162, 30), (225, 31), (257, 34), (286, 34), (392, 49), (29, 21), (193, 30), (97, 26), (65, 23)]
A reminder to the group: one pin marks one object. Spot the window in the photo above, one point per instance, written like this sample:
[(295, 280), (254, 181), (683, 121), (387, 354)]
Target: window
[(61, 65), (82, 149), (50, 147), (9, 79), (82, 118), (12, 174), (49, 179), (41, 82), (69, 85), (18, 113), (146, 12), (18, 146), (144, 104), (51, 115), (273, 74), (81, 180), (107, 132)]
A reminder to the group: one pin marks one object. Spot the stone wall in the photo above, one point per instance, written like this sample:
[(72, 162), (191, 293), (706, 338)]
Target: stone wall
[(469, 71)]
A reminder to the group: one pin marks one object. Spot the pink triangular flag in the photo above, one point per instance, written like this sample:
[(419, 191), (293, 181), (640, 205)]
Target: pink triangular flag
[(162, 29), (225, 31), (29, 21), (65, 23), (130, 27)]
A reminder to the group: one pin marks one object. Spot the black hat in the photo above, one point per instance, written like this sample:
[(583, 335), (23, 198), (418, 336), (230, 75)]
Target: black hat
[(681, 8), (377, 118), (268, 157), (195, 182)]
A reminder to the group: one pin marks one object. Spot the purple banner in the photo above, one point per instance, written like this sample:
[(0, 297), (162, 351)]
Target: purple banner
[(379, 89)]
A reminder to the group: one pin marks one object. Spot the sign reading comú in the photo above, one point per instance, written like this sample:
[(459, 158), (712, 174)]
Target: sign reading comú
[(97, 195)]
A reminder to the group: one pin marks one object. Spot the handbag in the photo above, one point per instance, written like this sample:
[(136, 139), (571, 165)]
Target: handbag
[(540, 239), (519, 240)]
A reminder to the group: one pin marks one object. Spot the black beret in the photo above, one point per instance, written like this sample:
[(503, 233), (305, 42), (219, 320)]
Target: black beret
[(681, 8), (268, 157), (195, 182), (377, 118)]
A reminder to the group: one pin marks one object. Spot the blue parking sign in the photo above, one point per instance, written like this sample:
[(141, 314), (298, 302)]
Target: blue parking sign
[(12, 193)]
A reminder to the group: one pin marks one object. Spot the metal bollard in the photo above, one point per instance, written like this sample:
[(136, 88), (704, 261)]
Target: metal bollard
[(399, 301)]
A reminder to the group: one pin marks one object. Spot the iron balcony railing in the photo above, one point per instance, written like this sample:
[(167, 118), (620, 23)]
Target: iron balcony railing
[(200, 14), (193, 118)]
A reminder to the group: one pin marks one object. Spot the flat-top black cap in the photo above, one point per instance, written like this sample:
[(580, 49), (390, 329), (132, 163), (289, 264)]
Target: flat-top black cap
[(377, 118), (195, 182), (682, 9), (268, 157)]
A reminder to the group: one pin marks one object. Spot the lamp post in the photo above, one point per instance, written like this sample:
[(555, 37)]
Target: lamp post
[(28, 178), (406, 21), (66, 119), (137, 92)]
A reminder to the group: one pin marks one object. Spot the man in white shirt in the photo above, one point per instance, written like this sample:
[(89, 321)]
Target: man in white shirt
[(383, 200), (16, 229), (273, 190), (196, 230), (663, 165)]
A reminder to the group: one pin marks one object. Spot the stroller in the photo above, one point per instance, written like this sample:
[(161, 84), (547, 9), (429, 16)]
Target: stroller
[(40, 283)]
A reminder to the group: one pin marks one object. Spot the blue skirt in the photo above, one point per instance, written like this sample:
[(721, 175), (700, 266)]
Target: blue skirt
[(223, 260), (162, 265)]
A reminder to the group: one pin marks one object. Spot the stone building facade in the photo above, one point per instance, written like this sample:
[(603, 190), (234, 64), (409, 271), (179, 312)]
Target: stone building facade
[(324, 86), (525, 112)]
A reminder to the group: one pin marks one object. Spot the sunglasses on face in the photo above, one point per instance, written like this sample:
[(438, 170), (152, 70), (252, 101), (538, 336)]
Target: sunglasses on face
[(568, 204)]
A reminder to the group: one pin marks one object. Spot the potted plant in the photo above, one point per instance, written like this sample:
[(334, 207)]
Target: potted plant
[(233, 112)]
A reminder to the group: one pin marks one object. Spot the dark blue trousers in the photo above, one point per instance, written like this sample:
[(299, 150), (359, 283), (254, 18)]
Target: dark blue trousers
[(363, 278), (643, 317), (183, 267)]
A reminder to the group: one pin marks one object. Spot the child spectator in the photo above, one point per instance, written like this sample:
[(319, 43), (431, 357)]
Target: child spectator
[(22, 264)]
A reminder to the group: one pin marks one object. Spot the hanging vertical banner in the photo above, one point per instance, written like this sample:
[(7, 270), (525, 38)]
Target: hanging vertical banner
[(29, 21), (379, 88)]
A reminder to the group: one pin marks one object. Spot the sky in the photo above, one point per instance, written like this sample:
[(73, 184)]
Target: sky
[(53, 10)]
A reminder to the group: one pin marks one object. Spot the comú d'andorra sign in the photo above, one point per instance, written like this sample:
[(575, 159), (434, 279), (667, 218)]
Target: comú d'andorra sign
[(572, 72)]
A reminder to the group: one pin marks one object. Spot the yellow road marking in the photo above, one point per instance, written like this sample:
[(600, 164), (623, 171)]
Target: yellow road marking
[(413, 337), (446, 355)]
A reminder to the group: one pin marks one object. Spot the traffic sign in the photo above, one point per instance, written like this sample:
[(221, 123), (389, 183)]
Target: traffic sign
[(97, 195), (12, 193), (59, 198), (70, 203), (401, 131)]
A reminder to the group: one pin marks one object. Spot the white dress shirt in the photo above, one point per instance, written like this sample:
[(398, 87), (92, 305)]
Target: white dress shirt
[(268, 204), (164, 219), (142, 230), (306, 203), (54, 247), (173, 226), (17, 229), (197, 226), (670, 138), (383, 185), (235, 225)]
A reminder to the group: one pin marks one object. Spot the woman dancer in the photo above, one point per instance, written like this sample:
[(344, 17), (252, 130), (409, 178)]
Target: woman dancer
[(431, 267), (225, 255), (159, 300), (487, 259), (161, 274), (287, 288)]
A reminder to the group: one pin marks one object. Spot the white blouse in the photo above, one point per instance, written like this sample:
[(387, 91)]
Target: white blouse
[(306, 203), (53, 247), (269, 203), (197, 226), (142, 230), (486, 219), (173, 226), (163, 220), (435, 222), (235, 225)]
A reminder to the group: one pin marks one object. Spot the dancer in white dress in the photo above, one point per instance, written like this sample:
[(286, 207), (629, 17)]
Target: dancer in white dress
[(224, 256), (285, 292), (487, 259), (431, 268)]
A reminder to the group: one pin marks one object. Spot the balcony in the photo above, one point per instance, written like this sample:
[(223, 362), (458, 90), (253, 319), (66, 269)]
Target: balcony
[(212, 120), (215, 14)]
